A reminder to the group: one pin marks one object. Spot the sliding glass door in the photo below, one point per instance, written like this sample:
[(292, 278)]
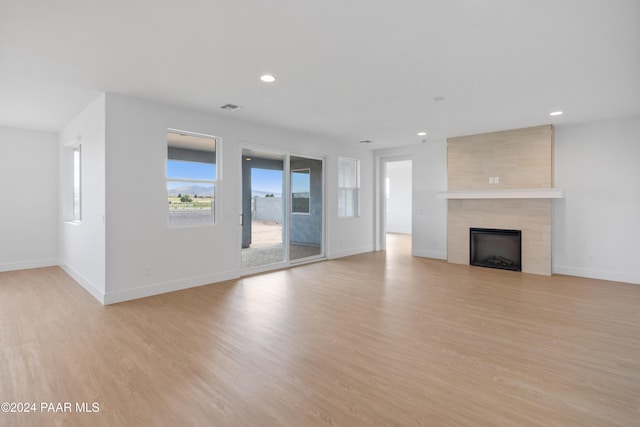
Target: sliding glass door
[(282, 209), (306, 220)]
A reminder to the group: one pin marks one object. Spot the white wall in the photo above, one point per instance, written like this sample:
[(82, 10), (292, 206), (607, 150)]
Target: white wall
[(595, 163), (29, 212), (82, 245), (429, 215), (137, 234), (596, 228), (398, 204)]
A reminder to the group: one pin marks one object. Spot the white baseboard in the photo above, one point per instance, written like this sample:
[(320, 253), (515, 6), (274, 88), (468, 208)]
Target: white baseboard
[(164, 287), (350, 252), (25, 265), (597, 274), (429, 254), (86, 284)]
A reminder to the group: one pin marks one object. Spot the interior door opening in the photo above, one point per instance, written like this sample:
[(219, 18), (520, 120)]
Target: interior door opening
[(398, 206)]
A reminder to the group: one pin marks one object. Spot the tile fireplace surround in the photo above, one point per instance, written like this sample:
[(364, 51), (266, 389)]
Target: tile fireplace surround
[(522, 161)]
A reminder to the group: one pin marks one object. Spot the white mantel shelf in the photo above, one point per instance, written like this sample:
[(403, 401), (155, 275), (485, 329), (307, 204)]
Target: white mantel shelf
[(525, 193)]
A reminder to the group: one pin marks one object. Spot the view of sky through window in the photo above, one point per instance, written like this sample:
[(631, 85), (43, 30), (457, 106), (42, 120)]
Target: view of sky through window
[(190, 170), (267, 180)]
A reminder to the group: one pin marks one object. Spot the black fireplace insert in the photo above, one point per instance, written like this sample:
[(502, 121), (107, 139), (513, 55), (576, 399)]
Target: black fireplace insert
[(495, 248)]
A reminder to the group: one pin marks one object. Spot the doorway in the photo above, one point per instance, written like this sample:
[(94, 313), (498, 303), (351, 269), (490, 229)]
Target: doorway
[(397, 211), (282, 209), (263, 219)]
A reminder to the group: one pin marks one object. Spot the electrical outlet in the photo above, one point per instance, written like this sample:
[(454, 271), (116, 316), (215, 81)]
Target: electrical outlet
[(496, 180), (147, 271), (491, 180)]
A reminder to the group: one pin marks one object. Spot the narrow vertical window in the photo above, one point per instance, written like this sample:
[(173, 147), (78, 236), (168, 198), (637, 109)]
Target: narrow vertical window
[(191, 178), (348, 187), (77, 186), (300, 191)]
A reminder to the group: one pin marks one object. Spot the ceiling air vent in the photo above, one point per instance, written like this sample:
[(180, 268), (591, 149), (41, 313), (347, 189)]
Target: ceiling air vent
[(365, 141), (230, 107)]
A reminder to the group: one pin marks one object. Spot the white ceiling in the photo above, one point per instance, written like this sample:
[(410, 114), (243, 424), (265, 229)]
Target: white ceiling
[(350, 69)]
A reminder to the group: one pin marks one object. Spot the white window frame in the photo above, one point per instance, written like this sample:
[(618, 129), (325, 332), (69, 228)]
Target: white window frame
[(215, 182), (76, 178), (344, 190), (308, 212)]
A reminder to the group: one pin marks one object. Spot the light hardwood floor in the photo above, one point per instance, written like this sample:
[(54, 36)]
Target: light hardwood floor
[(381, 339)]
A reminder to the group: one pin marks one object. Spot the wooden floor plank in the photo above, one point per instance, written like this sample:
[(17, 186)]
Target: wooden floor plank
[(378, 339)]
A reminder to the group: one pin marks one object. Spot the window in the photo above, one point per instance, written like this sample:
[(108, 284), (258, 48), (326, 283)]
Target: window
[(300, 191), (348, 187), (191, 178), (77, 186)]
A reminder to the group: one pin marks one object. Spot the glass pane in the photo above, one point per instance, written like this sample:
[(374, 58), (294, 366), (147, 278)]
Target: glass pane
[(347, 187), (346, 202), (186, 141), (191, 170), (76, 184), (191, 156), (347, 173), (300, 191), (305, 231), (190, 203), (191, 176)]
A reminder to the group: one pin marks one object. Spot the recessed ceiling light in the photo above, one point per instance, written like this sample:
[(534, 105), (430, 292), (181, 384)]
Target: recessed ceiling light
[(422, 134), (248, 158), (268, 78), (556, 113)]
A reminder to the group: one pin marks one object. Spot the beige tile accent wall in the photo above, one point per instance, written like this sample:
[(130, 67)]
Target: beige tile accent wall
[(522, 158)]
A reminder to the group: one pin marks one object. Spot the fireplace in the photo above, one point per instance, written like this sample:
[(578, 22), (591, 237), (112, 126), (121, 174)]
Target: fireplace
[(495, 248)]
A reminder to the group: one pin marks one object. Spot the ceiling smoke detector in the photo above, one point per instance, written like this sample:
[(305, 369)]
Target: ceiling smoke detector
[(230, 107)]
